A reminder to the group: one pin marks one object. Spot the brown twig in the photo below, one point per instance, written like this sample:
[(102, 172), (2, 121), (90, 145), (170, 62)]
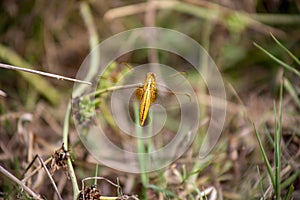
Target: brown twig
[(50, 177), (43, 164), (59, 77), (20, 183), (36, 170)]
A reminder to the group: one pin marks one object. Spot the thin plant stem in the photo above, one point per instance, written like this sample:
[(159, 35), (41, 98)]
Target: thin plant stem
[(141, 150), (69, 161), (59, 77), (262, 150), (41, 85), (96, 173), (49, 175), (102, 91), (36, 170), (93, 42), (20, 183), (289, 87), (285, 49), (286, 66), (291, 179), (277, 146), (289, 193)]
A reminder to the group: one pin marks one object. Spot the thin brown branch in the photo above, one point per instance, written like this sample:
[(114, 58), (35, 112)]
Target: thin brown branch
[(59, 77), (50, 177), (20, 183), (36, 170)]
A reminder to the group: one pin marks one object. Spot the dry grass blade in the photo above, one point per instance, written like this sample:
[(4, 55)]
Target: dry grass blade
[(43, 164), (59, 77), (20, 183)]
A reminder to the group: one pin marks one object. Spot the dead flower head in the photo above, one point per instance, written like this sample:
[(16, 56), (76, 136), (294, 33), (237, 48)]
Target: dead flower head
[(59, 160)]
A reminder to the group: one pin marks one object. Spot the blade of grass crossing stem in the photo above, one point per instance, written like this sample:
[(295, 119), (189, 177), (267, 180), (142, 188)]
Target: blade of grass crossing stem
[(286, 66), (277, 146), (286, 50), (289, 87), (69, 161), (262, 150)]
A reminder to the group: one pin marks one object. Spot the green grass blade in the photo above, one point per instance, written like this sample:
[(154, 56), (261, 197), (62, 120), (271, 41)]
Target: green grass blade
[(286, 50), (289, 87), (141, 148), (286, 66), (262, 150), (69, 161), (167, 192), (261, 187), (269, 136), (277, 149), (275, 137), (196, 171), (96, 173), (291, 179), (119, 192), (288, 196)]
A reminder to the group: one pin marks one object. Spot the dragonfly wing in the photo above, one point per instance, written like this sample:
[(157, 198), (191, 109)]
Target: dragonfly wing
[(139, 92), (171, 99), (153, 96)]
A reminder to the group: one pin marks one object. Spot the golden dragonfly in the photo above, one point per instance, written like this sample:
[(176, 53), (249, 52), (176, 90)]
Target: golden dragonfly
[(146, 93)]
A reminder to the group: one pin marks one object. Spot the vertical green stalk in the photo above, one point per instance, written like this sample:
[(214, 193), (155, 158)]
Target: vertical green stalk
[(262, 150), (94, 51), (274, 175), (93, 42), (277, 141), (69, 161), (88, 19), (141, 149), (96, 173)]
